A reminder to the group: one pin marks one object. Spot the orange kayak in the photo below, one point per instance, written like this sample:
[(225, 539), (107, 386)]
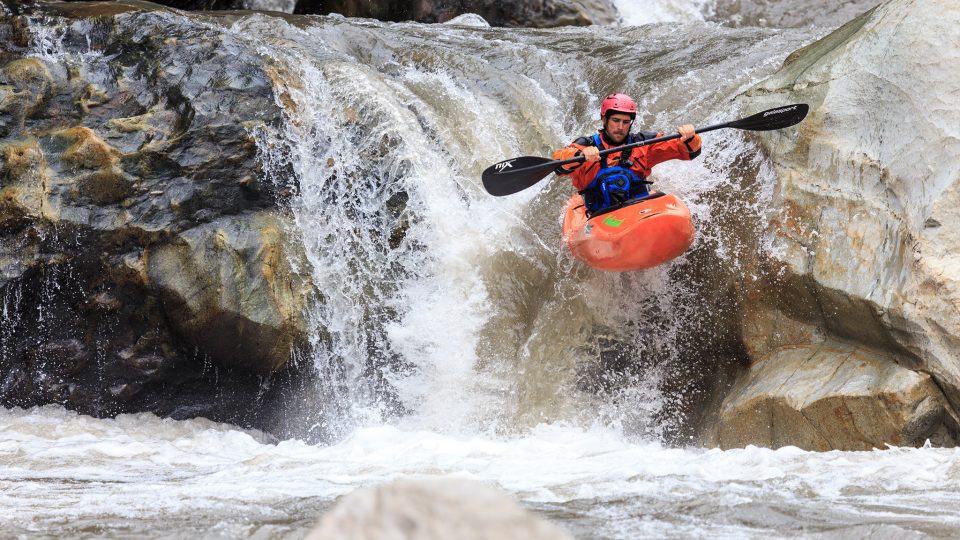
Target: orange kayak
[(641, 234)]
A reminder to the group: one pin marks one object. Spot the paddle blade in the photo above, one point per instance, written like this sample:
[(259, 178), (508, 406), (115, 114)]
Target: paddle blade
[(778, 118), (517, 174)]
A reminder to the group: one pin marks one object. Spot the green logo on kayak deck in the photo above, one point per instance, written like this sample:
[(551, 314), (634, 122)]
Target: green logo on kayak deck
[(612, 221)]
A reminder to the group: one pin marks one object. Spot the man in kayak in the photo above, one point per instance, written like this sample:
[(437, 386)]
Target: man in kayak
[(621, 176)]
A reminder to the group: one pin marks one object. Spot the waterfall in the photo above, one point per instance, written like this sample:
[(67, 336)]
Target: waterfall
[(446, 309)]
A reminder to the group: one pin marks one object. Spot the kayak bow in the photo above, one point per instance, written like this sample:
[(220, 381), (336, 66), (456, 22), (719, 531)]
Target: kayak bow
[(640, 234)]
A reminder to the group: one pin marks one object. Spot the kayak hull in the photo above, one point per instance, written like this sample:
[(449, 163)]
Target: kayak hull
[(640, 235)]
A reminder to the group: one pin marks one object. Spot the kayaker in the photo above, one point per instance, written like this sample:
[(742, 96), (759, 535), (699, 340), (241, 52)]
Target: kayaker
[(621, 176)]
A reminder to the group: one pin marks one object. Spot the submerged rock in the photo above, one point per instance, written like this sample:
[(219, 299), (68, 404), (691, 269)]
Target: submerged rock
[(862, 249), (432, 510)]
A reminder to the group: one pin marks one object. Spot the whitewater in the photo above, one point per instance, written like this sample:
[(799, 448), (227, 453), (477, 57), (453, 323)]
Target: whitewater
[(459, 339), (141, 476)]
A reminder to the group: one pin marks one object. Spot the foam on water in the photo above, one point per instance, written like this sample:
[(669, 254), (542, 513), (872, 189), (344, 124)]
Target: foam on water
[(640, 12), (61, 471)]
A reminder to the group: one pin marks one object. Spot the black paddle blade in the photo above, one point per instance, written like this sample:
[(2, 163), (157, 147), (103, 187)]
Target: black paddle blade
[(516, 174), (778, 118)]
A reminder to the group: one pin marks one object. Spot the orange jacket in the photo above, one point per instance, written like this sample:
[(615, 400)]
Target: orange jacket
[(643, 158)]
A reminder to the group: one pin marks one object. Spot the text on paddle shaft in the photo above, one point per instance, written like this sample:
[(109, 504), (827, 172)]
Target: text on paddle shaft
[(505, 165), (778, 111)]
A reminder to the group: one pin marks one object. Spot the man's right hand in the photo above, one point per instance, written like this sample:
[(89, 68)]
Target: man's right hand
[(590, 154)]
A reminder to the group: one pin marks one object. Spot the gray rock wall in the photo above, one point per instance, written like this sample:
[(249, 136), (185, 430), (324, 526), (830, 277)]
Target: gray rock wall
[(144, 260), (861, 246)]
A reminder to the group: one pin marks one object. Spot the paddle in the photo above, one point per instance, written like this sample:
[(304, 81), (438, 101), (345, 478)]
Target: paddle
[(517, 174)]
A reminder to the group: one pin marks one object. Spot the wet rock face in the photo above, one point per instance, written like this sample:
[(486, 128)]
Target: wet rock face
[(537, 14), (834, 396), (143, 256), (788, 14), (864, 238)]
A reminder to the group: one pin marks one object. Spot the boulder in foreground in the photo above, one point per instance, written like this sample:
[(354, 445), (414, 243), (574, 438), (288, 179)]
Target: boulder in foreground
[(439, 509)]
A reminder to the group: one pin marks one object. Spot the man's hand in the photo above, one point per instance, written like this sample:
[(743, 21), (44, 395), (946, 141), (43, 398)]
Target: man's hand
[(687, 131), (590, 154)]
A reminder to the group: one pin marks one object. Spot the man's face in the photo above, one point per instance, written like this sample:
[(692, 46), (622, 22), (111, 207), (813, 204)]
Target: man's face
[(617, 126)]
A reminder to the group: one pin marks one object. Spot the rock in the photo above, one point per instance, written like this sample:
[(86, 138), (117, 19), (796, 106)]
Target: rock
[(854, 255), (468, 19), (125, 391), (22, 191), (25, 85), (432, 510), (61, 357), (538, 14), (783, 15), (229, 288), (129, 169), (834, 396)]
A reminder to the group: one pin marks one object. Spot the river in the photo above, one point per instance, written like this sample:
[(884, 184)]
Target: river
[(457, 337), (139, 476)]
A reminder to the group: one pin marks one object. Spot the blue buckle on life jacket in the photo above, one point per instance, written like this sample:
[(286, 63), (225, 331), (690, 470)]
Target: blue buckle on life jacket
[(612, 185)]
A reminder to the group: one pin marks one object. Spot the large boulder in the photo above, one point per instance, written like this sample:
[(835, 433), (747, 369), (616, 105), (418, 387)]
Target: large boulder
[(143, 248), (862, 247), (834, 395), (435, 509)]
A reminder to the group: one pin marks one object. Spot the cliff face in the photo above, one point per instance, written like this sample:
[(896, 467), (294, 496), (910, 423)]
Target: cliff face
[(854, 330), (141, 249)]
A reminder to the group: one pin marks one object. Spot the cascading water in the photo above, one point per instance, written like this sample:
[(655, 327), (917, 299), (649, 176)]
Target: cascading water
[(664, 11), (454, 334), (457, 311)]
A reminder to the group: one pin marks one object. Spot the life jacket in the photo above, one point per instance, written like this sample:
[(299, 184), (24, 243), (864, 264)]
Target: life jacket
[(616, 184)]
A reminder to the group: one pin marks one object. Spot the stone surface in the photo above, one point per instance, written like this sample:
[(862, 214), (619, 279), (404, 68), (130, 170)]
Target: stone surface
[(146, 262), (228, 286), (536, 14), (861, 247), (788, 14), (834, 396), (436, 509)]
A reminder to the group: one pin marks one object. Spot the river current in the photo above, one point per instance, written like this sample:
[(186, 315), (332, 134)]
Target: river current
[(137, 476), (456, 336)]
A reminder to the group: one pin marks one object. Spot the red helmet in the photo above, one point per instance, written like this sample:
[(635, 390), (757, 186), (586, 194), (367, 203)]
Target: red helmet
[(620, 103)]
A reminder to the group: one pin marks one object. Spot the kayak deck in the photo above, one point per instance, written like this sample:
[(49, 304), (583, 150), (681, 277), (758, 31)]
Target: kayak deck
[(641, 234)]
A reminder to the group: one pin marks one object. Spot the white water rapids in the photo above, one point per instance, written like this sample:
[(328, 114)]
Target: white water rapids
[(456, 337), (64, 475)]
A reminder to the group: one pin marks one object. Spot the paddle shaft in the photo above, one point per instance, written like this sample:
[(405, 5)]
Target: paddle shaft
[(503, 179), (633, 145)]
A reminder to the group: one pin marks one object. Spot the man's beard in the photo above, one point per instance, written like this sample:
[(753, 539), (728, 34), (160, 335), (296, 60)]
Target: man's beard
[(615, 140)]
